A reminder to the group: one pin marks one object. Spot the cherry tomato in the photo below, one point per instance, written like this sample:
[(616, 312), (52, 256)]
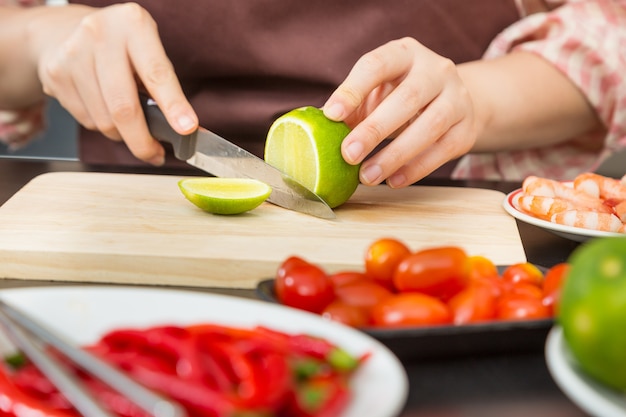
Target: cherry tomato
[(552, 284), (523, 272), (521, 307), (347, 314), (381, 259), (525, 288), (303, 285), (441, 272), (410, 309), (362, 294), (347, 277), (476, 303), (481, 267)]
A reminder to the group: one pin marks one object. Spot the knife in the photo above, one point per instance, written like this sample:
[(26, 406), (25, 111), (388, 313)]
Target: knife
[(209, 152)]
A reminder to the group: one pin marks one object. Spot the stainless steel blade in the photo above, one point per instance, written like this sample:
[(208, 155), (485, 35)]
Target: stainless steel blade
[(211, 153)]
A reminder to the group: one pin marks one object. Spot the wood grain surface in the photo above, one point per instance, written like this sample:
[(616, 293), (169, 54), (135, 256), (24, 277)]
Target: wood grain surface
[(139, 229)]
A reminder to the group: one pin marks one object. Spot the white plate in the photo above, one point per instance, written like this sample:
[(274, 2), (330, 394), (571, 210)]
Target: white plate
[(588, 394), (577, 234), (83, 314)]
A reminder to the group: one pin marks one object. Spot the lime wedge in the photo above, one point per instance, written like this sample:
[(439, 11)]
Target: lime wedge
[(225, 195), (306, 145)]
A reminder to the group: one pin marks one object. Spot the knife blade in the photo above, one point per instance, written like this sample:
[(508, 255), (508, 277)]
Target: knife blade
[(219, 157)]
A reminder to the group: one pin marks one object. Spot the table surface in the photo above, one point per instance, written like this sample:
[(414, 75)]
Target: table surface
[(507, 384)]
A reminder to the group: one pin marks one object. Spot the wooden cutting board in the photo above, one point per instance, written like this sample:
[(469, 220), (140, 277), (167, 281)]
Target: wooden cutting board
[(139, 229)]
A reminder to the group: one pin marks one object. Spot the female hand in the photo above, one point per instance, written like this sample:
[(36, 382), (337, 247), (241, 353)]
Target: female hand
[(405, 91), (93, 60)]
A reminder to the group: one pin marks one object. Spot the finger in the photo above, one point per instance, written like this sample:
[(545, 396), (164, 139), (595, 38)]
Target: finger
[(86, 79), (443, 151), (398, 108), (57, 82), (432, 125), (382, 64), (157, 74), (119, 88)]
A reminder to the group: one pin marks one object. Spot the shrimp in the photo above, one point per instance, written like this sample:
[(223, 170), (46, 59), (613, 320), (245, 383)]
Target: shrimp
[(544, 207), (620, 210), (600, 186), (545, 187), (594, 220)]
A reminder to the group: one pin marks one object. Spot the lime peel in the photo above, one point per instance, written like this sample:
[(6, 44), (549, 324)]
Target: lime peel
[(225, 195), (306, 145)]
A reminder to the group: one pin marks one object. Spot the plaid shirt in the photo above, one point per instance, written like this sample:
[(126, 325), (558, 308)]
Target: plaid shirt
[(583, 38), (586, 40)]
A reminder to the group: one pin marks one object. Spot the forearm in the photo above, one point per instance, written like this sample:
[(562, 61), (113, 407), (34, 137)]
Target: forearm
[(523, 101)]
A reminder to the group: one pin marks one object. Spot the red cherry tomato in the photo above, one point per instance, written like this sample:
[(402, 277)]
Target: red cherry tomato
[(347, 314), (552, 284), (525, 288), (362, 294), (303, 285), (410, 309), (523, 272), (347, 277), (441, 272), (476, 303), (381, 259), (521, 307)]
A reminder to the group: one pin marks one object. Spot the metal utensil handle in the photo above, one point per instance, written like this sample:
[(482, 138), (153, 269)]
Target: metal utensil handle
[(184, 145), (58, 374), (149, 401)]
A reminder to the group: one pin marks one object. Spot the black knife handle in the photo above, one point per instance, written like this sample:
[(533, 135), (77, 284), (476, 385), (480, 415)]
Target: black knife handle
[(184, 145)]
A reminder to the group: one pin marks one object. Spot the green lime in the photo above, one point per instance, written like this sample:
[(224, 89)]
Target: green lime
[(225, 195), (592, 309), (306, 145)]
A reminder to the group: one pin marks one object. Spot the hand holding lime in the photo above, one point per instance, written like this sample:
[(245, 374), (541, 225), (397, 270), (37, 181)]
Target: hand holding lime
[(592, 309)]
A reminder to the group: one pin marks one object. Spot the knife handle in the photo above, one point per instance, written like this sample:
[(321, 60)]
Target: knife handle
[(184, 145)]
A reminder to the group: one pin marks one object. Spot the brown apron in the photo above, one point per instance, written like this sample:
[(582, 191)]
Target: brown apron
[(242, 64)]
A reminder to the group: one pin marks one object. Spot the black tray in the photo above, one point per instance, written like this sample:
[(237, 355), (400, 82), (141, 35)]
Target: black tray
[(452, 340)]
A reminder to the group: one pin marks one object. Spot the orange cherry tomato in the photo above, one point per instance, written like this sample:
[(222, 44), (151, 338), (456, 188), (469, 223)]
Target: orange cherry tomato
[(476, 303), (521, 307), (481, 267), (410, 309), (441, 272), (381, 259), (303, 285), (362, 294), (347, 314), (523, 272), (347, 277), (552, 284)]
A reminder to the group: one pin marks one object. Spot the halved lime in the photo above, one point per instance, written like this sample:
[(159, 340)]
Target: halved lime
[(306, 145), (225, 195)]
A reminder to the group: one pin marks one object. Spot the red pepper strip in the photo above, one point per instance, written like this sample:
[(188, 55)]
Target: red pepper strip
[(322, 396), (318, 348), (200, 399), (15, 402), (260, 377)]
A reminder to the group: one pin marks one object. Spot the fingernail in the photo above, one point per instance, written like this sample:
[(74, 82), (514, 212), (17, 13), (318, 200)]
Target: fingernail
[(353, 152), (186, 123), (371, 174), (396, 180), (334, 111)]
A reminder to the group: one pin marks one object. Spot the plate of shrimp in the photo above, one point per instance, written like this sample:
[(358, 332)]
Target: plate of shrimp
[(592, 205)]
